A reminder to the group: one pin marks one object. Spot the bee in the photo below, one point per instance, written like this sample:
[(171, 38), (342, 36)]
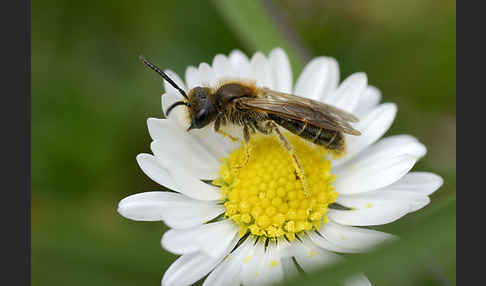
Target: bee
[(260, 109)]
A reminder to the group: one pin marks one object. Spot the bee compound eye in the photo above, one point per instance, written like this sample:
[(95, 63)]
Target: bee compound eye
[(201, 116)]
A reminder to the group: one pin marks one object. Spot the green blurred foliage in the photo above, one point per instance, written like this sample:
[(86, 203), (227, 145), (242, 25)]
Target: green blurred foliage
[(91, 98)]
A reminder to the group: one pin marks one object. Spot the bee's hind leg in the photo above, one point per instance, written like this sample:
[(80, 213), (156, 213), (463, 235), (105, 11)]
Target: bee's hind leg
[(295, 160)]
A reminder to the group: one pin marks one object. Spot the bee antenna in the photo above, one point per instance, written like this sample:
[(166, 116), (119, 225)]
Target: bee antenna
[(163, 74), (177, 103)]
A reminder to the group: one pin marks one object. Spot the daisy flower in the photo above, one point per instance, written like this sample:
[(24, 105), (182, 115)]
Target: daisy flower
[(253, 224)]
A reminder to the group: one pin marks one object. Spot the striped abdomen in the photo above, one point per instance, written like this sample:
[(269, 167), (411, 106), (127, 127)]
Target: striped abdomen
[(329, 138)]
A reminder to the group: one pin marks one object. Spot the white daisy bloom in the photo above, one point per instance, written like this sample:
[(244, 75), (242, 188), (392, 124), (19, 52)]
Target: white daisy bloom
[(253, 224)]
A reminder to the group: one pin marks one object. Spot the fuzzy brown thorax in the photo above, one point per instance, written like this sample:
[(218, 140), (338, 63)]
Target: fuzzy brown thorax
[(205, 104)]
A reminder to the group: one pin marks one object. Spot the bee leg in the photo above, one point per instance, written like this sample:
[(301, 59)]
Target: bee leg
[(264, 128), (246, 145), (290, 148), (217, 128), (217, 123), (246, 134)]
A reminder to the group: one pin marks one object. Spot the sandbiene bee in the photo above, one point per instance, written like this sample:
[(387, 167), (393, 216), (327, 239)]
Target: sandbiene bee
[(264, 110)]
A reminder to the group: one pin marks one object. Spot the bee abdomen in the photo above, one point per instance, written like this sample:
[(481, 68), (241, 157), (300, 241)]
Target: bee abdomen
[(330, 139)]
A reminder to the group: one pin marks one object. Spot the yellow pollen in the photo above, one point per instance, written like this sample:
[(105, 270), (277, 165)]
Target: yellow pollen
[(265, 197)]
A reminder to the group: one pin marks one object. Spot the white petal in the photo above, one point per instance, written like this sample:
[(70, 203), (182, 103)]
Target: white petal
[(151, 167), (367, 175), (177, 179), (250, 271), (397, 192), (261, 70), (391, 146), (380, 198), (381, 165), (370, 216), (178, 153), (207, 75), (290, 270), (191, 267), (215, 143), (189, 213), (177, 147), (175, 77), (270, 269), (357, 280), (237, 58), (193, 77), (326, 244), (213, 238), (157, 129), (284, 248), (418, 182), (282, 72), (178, 113), (222, 67), (172, 95), (412, 189), (351, 239), (180, 241), (332, 79), (311, 257), (188, 269), (155, 206), (317, 79), (369, 99), (146, 206), (241, 64), (210, 141), (224, 275), (347, 96), (227, 273), (193, 187), (372, 127)]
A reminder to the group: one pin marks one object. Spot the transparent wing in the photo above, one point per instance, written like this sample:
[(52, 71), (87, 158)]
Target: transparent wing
[(294, 107)]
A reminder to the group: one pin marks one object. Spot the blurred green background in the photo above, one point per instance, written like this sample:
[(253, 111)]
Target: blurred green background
[(91, 98)]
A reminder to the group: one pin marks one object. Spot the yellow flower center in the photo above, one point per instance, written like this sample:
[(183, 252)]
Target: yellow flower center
[(263, 194)]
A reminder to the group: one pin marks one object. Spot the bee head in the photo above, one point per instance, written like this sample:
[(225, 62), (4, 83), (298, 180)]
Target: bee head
[(201, 109)]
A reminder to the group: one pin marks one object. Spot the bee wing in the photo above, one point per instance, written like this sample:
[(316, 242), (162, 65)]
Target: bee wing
[(323, 107), (294, 107)]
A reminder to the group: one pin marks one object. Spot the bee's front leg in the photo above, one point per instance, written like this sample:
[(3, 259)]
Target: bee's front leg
[(217, 127), (295, 160)]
